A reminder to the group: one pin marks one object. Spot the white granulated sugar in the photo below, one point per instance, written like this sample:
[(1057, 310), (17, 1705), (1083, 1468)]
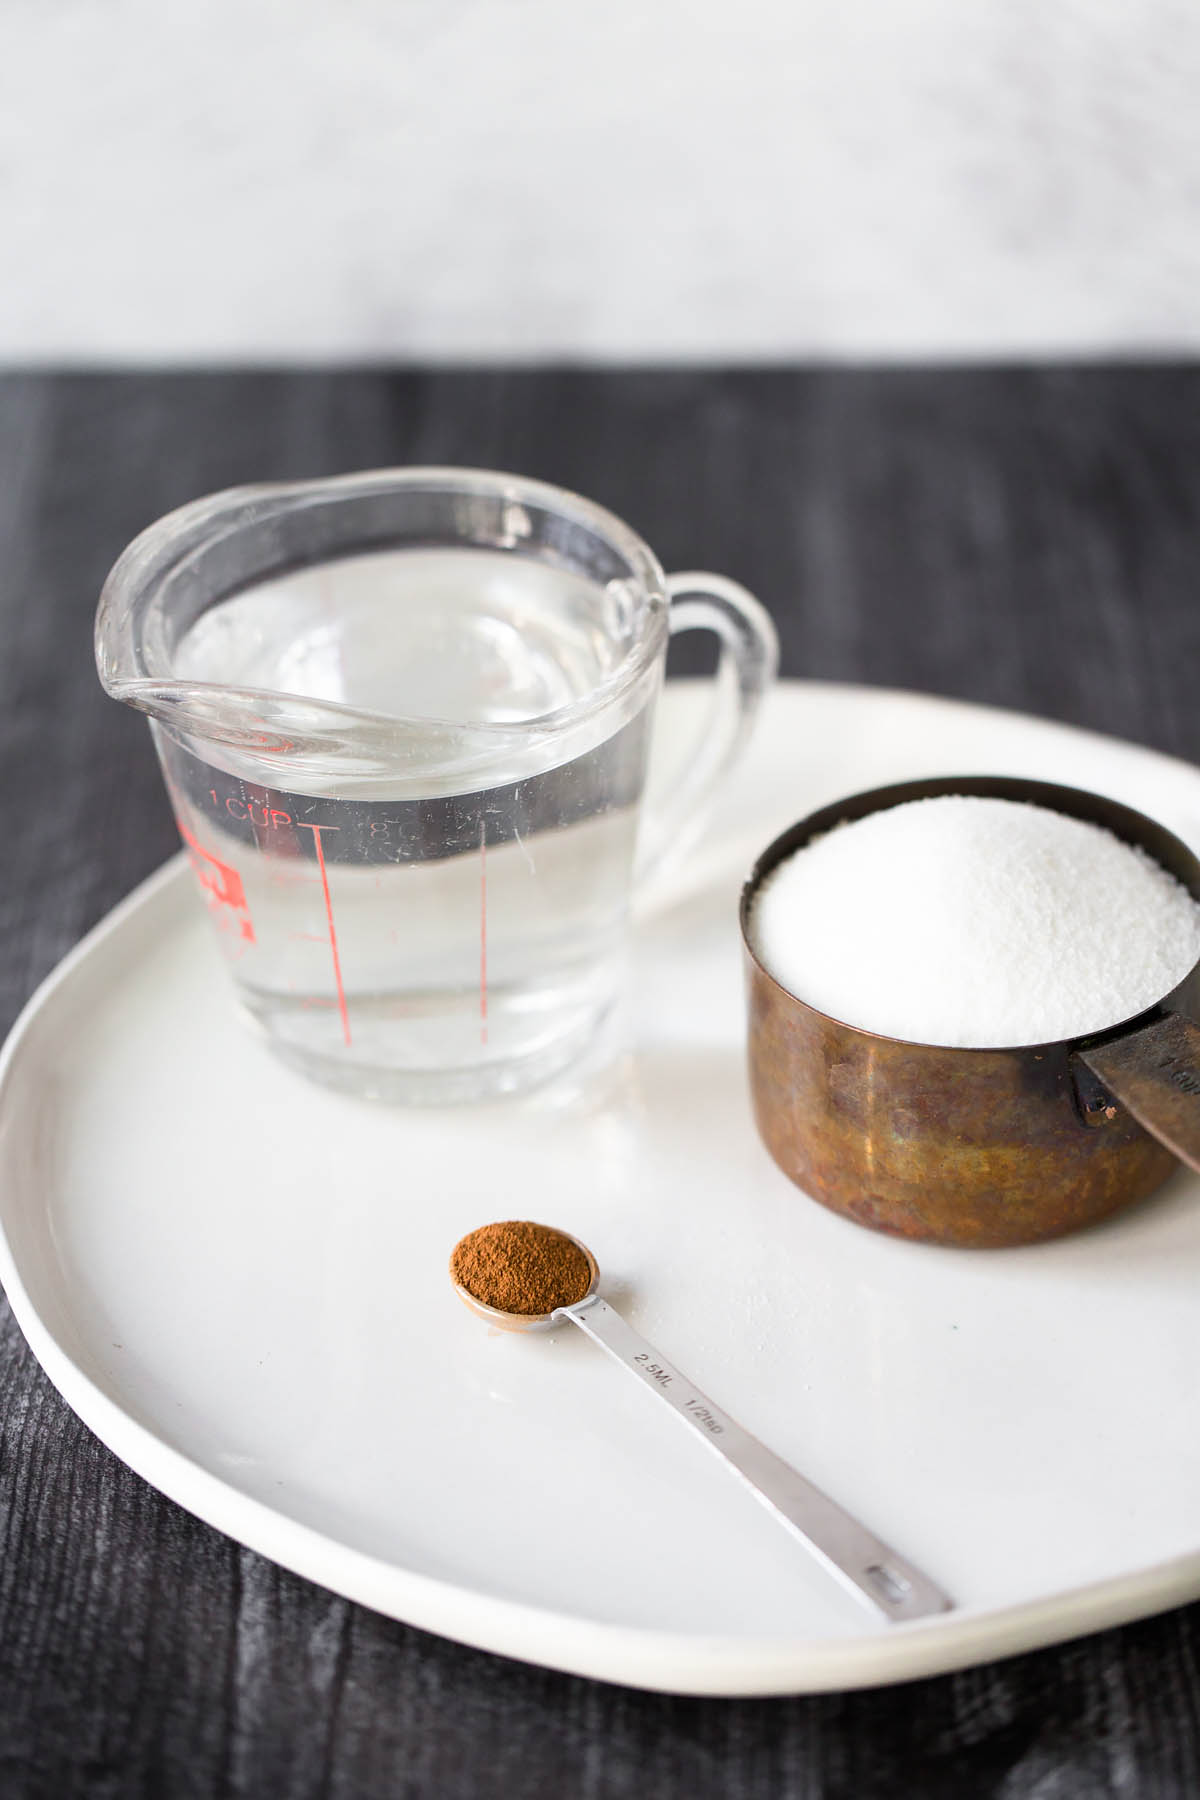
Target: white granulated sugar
[(973, 922)]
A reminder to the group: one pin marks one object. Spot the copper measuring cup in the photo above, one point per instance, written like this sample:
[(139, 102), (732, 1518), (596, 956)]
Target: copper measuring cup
[(975, 1147)]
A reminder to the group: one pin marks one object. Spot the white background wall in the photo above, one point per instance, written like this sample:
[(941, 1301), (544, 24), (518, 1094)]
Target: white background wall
[(199, 179)]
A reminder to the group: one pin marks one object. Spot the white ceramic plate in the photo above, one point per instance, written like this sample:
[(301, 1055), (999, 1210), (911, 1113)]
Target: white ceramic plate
[(238, 1281)]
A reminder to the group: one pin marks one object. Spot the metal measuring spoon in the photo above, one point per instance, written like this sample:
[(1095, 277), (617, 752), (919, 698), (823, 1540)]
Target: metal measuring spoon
[(870, 1569)]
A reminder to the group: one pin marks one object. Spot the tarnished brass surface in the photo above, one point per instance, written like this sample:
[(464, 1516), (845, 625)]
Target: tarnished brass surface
[(969, 1147)]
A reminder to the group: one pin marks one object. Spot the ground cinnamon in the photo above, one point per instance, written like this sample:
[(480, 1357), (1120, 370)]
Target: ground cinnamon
[(519, 1267)]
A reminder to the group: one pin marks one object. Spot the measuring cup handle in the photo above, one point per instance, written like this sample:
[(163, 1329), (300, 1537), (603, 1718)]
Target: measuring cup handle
[(1155, 1074), (747, 661)]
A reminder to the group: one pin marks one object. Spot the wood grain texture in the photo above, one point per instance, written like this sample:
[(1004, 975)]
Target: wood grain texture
[(1026, 538)]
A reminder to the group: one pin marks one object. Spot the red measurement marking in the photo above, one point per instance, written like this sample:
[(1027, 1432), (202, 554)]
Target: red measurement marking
[(271, 817), (333, 944), (222, 884), (483, 1038)]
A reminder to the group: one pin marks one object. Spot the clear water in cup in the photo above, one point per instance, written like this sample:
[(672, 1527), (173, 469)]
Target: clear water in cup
[(425, 936)]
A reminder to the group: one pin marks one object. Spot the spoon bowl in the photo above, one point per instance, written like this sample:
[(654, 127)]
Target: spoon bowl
[(511, 1321)]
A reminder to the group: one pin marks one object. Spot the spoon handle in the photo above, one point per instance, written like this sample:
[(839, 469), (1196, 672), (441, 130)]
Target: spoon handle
[(871, 1569)]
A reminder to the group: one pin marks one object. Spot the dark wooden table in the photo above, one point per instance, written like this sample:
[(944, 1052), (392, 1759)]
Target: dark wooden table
[(1027, 538)]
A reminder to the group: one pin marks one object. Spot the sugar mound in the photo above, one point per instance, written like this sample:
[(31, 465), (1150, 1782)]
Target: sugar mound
[(973, 922)]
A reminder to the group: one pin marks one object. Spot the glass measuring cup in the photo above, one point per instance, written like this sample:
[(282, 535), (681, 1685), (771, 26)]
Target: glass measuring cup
[(403, 718)]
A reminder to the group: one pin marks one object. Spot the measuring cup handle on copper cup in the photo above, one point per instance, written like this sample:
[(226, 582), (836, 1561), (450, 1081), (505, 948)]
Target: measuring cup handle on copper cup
[(1154, 1073), (976, 1147)]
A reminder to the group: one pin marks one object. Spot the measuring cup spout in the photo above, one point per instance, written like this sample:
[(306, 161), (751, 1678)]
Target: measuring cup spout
[(186, 563), (244, 718), (321, 741)]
